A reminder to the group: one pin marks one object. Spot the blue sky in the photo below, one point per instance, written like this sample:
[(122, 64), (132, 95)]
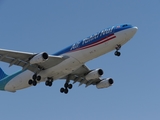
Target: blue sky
[(50, 25)]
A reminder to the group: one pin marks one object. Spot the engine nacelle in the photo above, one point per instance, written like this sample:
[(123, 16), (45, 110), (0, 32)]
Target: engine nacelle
[(39, 58), (95, 74), (105, 83)]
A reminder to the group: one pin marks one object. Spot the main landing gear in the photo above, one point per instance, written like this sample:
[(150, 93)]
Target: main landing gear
[(49, 82), (35, 78), (66, 87), (117, 53)]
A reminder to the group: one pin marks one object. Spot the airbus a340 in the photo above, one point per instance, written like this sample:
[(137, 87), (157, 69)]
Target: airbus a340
[(68, 64)]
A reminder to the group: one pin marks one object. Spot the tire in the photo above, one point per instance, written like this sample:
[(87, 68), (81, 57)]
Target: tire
[(50, 84), (117, 53), (47, 83), (66, 85), (38, 78), (34, 83), (62, 90), (30, 82), (34, 77), (65, 91), (70, 86)]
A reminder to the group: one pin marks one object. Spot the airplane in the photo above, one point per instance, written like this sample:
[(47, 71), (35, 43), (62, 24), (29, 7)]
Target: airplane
[(67, 64)]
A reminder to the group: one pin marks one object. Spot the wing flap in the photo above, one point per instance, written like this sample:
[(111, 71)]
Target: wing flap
[(79, 76)]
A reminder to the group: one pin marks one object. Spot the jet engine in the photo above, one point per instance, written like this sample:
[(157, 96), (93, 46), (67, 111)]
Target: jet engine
[(106, 82), (94, 74), (39, 58)]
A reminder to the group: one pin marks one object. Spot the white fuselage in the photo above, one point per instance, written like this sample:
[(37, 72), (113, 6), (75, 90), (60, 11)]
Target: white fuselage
[(75, 60)]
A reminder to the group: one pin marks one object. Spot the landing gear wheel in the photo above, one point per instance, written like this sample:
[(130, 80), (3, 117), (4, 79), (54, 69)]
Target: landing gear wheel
[(66, 85), (66, 88), (65, 91), (47, 83), (34, 77), (50, 84), (117, 53), (70, 86), (38, 78), (34, 83), (30, 82), (62, 90)]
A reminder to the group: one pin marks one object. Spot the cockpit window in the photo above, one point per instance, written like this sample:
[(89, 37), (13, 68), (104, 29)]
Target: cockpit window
[(125, 25)]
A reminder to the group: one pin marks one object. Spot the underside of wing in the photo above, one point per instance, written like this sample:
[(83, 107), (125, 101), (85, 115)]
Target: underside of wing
[(84, 75), (30, 61)]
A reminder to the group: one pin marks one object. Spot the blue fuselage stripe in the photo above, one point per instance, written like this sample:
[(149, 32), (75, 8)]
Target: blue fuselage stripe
[(92, 39)]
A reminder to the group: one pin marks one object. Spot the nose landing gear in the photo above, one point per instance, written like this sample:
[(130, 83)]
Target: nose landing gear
[(117, 53)]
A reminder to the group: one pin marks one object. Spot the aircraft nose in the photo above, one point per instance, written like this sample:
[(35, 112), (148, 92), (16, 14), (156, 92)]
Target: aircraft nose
[(134, 29), (131, 32)]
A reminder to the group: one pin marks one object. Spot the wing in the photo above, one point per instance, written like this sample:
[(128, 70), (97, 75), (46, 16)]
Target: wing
[(22, 59), (79, 76)]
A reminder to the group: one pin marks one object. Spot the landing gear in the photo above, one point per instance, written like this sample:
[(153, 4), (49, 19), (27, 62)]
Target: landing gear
[(117, 53), (49, 82), (38, 78), (30, 82), (35, 78), (64, 90), (34, 83), (66, 87), (70, 86)]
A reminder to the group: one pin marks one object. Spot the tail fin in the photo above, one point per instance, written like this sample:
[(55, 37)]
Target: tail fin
[(2, 74)]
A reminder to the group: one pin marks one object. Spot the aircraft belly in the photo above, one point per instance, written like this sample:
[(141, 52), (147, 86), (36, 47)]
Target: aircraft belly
[(19, 82), (66, 67)]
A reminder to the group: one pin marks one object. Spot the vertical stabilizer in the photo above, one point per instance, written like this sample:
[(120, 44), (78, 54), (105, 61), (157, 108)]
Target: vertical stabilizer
[(2, 74)]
